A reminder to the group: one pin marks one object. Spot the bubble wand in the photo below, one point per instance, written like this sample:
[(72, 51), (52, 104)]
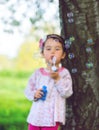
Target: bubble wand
[(54, 68)]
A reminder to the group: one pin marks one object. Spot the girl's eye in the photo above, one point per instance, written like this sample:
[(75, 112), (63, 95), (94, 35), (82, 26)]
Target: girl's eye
[(48, 49), (57, 49)]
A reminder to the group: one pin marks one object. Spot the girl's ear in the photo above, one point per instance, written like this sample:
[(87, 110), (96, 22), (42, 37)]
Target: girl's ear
[(64, 55)]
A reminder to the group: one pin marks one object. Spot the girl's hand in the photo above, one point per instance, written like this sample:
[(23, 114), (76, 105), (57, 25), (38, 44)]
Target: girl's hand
[(54, 75), (38, 94)]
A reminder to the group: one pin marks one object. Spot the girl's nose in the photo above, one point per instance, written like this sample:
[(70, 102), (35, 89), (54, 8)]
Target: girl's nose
[(52, 51)]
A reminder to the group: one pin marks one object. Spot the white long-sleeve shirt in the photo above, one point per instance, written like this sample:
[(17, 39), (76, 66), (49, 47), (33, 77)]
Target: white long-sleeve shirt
[(53, 109)]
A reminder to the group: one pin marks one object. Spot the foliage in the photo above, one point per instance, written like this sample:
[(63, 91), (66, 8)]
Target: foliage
[(14, 73), (29, 57), (5, 62), (14, 106), (25, 12)]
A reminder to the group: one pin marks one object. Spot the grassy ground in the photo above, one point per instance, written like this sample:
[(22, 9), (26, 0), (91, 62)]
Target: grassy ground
[(14, 107)]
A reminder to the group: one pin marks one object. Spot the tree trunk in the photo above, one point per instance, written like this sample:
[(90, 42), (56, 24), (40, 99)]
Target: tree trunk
[(79, 21)]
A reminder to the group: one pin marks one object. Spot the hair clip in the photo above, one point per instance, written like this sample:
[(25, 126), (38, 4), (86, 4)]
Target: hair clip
[(41, 42)]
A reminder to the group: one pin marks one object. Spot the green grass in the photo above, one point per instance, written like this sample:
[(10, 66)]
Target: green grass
[(14, 107)]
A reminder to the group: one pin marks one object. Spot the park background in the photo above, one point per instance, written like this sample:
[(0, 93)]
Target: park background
[(22, 25)]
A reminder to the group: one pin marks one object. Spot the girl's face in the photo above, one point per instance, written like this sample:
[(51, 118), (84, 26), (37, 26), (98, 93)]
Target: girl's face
[(53, 48)]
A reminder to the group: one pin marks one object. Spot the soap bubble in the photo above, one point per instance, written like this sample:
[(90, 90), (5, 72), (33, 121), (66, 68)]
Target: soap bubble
[(70, 14), (67, 44), (88, 50), (71, 55), (90, 41), (70, 20), (74, 70), (89, 65), (72, 39)]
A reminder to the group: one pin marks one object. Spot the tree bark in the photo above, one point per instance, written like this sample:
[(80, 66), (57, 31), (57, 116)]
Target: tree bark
[(80, 20)]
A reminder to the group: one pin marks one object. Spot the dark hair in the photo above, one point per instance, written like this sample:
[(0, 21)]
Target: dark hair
[(57, 38)]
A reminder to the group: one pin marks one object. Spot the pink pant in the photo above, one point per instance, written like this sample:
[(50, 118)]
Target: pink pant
[(31, 127)]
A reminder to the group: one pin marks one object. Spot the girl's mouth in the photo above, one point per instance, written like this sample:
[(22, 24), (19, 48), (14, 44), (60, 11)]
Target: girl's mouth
[(52, 57)]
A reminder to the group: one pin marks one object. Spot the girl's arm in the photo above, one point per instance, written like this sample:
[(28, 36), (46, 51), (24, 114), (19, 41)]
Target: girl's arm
[(64, 84), (30, 89)]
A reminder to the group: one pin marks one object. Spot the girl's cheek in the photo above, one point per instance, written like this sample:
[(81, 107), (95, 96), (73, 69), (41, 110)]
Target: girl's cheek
[(47, 57)]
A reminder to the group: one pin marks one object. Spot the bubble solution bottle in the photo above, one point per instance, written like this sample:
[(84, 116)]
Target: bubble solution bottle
[(44, 90)]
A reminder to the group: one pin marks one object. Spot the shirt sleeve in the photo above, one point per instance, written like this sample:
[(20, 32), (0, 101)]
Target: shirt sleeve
[(64, 85), (31, 88)]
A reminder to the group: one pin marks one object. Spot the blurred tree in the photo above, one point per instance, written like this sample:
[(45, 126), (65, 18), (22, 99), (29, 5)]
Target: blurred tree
[(32, 20), (18, 15), (80, 28), (5, 63), (29, 57)]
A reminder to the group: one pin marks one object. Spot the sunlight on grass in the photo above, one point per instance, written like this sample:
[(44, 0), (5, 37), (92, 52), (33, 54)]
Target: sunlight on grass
[(14, 106)]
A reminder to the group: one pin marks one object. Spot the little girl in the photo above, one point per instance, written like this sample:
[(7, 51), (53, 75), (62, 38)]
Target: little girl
[(49, 105)]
